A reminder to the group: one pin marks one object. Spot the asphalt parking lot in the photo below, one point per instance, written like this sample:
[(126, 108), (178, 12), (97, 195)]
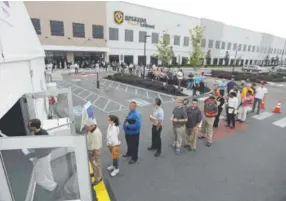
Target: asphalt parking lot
[(245, 164)]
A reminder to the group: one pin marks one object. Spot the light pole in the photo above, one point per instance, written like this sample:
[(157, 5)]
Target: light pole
[(283, 51), (145, 60), (234, 61)]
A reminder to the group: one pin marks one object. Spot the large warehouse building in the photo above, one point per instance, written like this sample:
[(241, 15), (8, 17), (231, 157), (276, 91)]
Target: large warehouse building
[(116, 31)]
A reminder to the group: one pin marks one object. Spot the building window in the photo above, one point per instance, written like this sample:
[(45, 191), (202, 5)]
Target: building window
[(97, 31), (274, 51), (37, 25), (203, 43), (253, 48), (211, 43), (78, 30), (128, 35), (228, 46), (249, 48), (217, 44), (257, 49), (239, 47), (261, 49), (113, 33), (222, 45), (177, 40), (57, 28), (142, 35), (186, 41), (244, 47), (166, 38), (234, 46), (155, 37)]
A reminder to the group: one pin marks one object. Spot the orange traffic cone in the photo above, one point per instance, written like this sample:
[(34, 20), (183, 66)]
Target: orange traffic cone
[(277, 108), (262, 105)]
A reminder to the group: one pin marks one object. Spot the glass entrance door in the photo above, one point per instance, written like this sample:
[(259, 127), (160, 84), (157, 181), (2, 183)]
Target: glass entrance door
[(44, 168)]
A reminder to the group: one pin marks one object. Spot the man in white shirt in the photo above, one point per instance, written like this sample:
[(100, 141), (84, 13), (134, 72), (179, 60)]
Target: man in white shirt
[(48, 72), (180, 77), (232, 108), (259, 96), (94, 144)]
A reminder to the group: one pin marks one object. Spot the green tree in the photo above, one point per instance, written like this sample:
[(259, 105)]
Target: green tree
[(165, 50), (196, 35)]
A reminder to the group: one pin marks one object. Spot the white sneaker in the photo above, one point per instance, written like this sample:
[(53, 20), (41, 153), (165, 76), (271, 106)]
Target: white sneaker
[(114, 172), (110, 168)]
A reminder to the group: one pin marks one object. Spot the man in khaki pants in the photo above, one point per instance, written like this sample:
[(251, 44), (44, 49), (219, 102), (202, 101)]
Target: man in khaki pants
[(179, 119), (194, 120), (210, 112), (94, 145)]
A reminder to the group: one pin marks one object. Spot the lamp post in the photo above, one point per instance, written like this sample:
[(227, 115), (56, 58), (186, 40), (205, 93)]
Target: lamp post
[(145, 60), (283, 51), (234, 61)]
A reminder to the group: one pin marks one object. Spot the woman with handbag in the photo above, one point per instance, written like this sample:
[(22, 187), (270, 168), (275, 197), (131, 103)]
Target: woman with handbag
[(113, 143)]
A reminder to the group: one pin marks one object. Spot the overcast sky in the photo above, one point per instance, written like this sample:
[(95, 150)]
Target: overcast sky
[(258, 15)]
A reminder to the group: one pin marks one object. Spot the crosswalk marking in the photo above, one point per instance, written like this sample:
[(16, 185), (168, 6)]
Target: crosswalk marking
[(281, 122), (262, 115)]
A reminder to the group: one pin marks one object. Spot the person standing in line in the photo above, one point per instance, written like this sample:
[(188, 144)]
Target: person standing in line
[(179, 118), (232, 107), (259, 96), (196, 86), (157, 120), (230, 85), (42, 161), (202, 83), (180, 77), (194, 119), (220, 102), (131, 127), (222, 86), (246, 106), (191, 81), (113, 143), (94, 145), (210, 112)]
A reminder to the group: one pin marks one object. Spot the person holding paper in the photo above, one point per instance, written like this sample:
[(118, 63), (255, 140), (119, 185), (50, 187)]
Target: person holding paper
[(232, 108), (179, 118), (132, 127), (41, 158), (157, 120)]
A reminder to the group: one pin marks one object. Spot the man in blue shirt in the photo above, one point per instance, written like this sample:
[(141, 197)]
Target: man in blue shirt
[(131, 127), (157, 120)]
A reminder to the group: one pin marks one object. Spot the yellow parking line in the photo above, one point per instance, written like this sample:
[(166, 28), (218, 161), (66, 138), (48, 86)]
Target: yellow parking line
[(100, 188)]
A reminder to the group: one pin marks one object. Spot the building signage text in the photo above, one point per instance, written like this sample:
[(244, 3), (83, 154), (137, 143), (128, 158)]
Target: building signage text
[(119, 19)]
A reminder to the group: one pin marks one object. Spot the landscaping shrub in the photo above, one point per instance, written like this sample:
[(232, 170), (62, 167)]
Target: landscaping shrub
[(253, 77), (152, 84)]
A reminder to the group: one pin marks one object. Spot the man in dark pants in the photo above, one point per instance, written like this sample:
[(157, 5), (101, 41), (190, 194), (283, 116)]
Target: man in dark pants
[(157, 120), (131, 127), (220, 102)]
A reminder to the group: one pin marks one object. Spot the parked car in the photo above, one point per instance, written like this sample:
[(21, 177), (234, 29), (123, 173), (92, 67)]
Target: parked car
[(278, 70), (252, 68)]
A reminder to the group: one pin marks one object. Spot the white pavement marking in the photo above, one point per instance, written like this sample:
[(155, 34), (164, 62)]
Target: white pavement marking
[(280, 123), (106, 105), (136, 87), (262, 116), (140, 102), (121, 107), (81, 92), (87, 95), (97, 98)]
